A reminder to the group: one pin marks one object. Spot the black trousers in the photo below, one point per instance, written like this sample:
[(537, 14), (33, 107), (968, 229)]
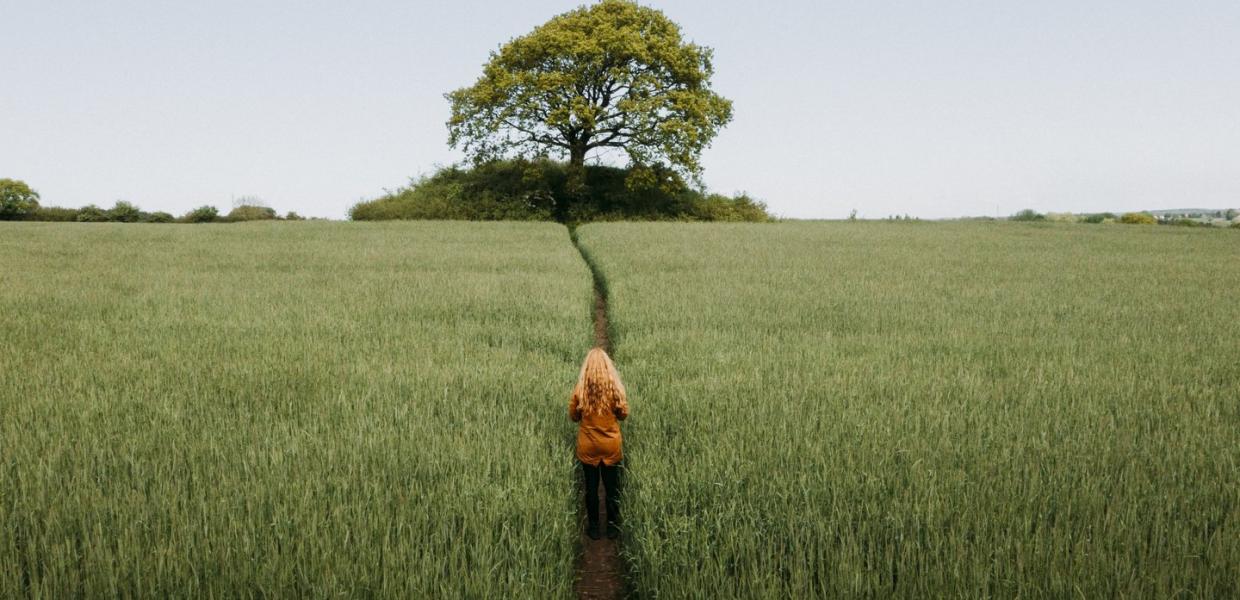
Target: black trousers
[(611, 481)]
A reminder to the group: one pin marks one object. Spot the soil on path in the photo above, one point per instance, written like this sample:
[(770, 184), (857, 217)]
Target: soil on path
[(599, 569), (600, 320)]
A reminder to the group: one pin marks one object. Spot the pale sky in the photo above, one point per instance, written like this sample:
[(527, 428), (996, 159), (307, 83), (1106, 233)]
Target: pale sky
[(933, 109)]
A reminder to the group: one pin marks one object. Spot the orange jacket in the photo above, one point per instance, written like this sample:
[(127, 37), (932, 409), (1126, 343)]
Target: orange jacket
[(598, 435)]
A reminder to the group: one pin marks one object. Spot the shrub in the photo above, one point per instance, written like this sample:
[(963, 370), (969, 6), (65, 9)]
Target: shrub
[(1028, 215), (1138, 218), (52, 213), (250, 212), (17, 199), (717, 207), (905, 218), (1184, 222), (202, 214), (1099, 218), (124, 212), (527, 190), (292, 216), (92, 214), (158, 217)]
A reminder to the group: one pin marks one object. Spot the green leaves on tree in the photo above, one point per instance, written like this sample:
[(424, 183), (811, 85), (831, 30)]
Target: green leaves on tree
[(614, 75)]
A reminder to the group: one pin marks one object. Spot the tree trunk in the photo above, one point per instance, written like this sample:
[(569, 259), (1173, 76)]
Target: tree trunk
[(577, 156), (575, 187)]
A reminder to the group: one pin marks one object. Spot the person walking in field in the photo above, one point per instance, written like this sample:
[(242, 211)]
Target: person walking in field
[(599, 404)]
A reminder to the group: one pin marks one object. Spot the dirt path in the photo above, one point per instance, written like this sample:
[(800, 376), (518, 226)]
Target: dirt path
[(600, 319), (599, 568)]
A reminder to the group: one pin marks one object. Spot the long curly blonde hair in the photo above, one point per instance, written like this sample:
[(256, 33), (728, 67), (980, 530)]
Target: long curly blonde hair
[(599, 389)]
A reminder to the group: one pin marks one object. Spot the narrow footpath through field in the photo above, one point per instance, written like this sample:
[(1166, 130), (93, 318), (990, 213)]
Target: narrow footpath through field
[(598, 574)]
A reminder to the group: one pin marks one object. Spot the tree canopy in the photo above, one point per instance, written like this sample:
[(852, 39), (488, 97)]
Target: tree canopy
[(16, 199), (612, 75)]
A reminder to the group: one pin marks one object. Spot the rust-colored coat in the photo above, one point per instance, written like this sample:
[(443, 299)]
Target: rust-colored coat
[(598, 435)]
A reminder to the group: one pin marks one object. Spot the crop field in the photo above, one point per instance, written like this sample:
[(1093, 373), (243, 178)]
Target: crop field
[(288, 410), (928, 410), (818, 409)]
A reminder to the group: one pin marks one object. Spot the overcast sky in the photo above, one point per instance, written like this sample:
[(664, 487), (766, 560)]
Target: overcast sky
[(933, 109)]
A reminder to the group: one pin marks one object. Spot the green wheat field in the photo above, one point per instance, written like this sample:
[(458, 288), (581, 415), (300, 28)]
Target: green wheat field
[(288, 410), (831, 409)]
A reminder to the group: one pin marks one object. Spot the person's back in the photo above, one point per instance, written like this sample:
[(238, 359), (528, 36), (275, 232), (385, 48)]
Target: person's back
[(598, 404), (598, 436)]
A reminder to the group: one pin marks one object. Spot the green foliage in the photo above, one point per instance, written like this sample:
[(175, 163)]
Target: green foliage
[(202, 214), (249, 212), (16, 199), (904, 219), (1097, 218), (313, 412), (855, 410), (121, 212), (611, 75), (523, 190), (92, 214), (1231, 214), (1063, 217), (124, 212), (292, 216), (52, 213), (1138, 218), (1028, 214), (158, 217), (717, 207), (1185, 222), (503, 190)]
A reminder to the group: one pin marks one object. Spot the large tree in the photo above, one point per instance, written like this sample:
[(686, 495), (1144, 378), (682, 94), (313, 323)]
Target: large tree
[(612, 75), (16, 199)]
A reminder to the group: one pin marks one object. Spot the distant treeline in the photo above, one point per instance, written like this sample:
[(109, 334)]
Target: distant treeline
[(546, 190), (1221, 218), (125, 212), (20, 203)]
